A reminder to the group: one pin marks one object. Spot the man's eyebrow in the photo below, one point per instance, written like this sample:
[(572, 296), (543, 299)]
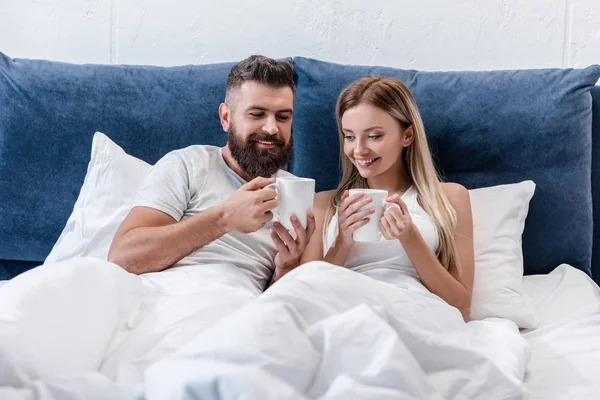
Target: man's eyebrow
[(260, 108), (257, 108)]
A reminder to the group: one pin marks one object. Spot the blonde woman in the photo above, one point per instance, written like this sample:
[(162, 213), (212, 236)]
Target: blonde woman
[(429, 235)]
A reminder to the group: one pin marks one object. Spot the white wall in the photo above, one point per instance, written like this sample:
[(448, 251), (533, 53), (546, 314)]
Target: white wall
[(429, 34)]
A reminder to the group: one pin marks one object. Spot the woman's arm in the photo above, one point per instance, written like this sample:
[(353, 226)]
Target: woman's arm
[(314, 249), (349, 220), (453, 286)]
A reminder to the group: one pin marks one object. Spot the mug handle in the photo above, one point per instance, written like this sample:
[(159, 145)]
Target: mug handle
[(275, 211)]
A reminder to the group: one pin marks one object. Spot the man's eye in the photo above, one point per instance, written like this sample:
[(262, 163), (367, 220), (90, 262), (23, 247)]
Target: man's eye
[(283, 118), (256, 115)]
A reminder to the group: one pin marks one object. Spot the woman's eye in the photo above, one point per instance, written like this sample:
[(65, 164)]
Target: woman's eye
[(348, 137), (374, 136)]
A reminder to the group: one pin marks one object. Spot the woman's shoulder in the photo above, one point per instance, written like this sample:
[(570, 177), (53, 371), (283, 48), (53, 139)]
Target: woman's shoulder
[(457, 194), (323, 199), (454, 189)]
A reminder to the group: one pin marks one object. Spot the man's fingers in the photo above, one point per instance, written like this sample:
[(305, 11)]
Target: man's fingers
[(267, 217), (269, 205), (257, 183)]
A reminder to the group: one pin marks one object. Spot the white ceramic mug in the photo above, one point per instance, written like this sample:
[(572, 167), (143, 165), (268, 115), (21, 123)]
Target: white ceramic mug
[(295, 197), (370, 232)]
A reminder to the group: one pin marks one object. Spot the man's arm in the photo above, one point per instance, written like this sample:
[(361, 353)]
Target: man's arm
[(149, 240)]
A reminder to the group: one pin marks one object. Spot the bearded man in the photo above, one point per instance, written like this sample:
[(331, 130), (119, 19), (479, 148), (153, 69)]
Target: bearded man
[(207, 207)]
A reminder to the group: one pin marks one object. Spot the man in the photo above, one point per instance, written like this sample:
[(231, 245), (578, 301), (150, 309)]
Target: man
[(209, 205), (203, 210)]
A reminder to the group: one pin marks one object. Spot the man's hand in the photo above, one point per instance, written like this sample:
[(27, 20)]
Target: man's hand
[(249, 208), (291, 245)]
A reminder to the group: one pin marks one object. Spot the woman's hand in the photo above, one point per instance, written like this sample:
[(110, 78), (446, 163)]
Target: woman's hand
[(349, 216), (396, 221), (291, 244)]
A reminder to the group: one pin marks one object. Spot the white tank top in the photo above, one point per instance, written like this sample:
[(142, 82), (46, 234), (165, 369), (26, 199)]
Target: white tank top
[(386, 260)]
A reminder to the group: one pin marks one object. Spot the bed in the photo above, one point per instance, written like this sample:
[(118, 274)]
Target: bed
[(565, 346), (75, 141)]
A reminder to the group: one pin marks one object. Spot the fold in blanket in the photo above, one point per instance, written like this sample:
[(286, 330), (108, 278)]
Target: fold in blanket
[(324, 332), (86, 329)]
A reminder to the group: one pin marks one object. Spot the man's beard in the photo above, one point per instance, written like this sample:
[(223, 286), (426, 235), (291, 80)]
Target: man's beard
[(255, 161)]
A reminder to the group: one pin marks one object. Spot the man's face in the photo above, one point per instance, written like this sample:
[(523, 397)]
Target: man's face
[(260, 128)]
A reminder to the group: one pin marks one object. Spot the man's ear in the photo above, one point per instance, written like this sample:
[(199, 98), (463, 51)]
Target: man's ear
[(408, 136), (225, 116)]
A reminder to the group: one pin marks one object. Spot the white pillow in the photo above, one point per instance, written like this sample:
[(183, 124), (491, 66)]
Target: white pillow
[(499, 214), (110, 185)]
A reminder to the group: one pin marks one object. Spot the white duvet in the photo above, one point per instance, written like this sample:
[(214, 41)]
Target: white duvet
[(86, 329)]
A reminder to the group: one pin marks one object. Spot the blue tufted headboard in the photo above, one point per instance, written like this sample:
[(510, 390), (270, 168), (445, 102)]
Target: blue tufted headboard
[(485, 128), (49, 112), (596, 182)]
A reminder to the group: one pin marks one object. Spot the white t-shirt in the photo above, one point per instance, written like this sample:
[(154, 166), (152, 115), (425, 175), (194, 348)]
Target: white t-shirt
[(187, 181)]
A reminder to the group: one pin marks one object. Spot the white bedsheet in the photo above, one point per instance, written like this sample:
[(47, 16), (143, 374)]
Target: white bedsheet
[(565, 362), (87, 329), (325, 332)]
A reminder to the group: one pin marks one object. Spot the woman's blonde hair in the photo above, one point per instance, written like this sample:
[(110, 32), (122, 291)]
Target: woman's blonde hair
[(393, 97)]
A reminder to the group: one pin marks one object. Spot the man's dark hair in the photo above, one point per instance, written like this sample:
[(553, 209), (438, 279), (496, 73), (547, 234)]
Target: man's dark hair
[(264, 70)]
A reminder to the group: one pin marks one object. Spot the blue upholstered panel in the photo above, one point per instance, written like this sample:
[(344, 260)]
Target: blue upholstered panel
[(485, 128), (49, 112), (596, 182), (11, 268)]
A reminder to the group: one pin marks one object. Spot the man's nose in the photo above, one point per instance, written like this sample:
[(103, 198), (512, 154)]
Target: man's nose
[(270, 126)]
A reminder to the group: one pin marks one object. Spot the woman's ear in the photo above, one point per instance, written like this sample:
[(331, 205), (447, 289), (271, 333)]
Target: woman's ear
[(408, 136)]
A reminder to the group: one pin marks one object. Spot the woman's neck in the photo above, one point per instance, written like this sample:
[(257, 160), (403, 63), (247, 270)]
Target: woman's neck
[(395, 180)]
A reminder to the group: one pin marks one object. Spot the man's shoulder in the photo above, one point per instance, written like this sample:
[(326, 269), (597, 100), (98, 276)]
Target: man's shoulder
[(284, 174), (195, 156), (192, 161), (198, 151)]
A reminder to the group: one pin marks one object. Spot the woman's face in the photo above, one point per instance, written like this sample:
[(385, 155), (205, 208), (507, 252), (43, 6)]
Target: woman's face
[(373, 140)]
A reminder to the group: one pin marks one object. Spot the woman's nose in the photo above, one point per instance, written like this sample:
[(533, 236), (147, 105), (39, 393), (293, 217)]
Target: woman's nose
[(360, 148)]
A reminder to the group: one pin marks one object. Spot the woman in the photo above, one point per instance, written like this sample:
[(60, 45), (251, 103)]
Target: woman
[(429, 235)]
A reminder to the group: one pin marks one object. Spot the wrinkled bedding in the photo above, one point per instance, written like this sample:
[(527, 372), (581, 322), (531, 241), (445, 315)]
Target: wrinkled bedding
[(87, 329)]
